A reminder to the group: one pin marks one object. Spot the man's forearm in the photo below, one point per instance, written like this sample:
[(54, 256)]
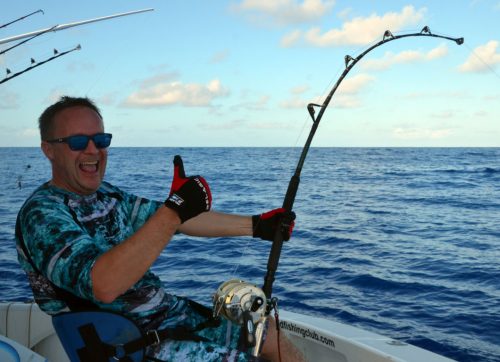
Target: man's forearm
[(216, 224)]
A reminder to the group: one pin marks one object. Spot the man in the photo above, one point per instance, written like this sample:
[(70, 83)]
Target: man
[(85, 243)]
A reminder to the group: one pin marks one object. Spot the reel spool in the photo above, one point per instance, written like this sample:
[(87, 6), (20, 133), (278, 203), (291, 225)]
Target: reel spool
[(237, 300)]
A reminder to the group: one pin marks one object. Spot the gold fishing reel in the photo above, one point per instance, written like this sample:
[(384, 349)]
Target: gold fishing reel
[(239, 302)]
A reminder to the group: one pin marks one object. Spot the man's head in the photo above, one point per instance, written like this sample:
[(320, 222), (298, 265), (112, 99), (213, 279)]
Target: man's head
[(78, 164)]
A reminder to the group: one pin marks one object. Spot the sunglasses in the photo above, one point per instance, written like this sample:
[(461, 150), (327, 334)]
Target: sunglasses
[(80, 142)]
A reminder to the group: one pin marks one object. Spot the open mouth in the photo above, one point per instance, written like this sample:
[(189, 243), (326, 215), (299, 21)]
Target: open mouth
[(89, 166)]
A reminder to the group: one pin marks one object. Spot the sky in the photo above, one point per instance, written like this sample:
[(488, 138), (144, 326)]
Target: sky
[(241, 73)]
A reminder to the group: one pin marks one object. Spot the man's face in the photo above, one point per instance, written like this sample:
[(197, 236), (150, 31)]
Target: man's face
[(80, 172)]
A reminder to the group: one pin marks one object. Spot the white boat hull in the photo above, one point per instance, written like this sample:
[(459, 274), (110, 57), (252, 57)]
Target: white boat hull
[(319, 339)]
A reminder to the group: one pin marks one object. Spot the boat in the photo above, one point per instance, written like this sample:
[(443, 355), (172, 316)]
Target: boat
[(27, 334)]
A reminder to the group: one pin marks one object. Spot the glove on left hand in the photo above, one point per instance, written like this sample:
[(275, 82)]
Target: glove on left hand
[(189, 196), (265, 225)]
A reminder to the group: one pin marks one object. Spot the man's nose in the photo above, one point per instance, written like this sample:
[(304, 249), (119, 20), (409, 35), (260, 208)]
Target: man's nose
[(91, 147)]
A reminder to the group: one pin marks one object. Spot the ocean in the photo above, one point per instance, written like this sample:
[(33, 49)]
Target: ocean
[(404, 242)]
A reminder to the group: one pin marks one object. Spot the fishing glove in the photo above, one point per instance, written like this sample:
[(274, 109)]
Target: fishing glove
[(189, 196), (264, 225)]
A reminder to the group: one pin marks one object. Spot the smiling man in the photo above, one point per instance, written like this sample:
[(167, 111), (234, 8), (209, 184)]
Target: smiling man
[(79, 172), (86, 244)]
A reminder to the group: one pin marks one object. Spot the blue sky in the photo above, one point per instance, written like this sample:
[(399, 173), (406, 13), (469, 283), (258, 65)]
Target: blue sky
[(240, 73)]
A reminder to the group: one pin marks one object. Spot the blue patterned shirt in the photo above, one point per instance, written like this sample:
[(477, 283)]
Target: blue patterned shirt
[(65, 233)]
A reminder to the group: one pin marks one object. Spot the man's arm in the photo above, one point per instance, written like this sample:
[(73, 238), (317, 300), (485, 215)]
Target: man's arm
[(115, 271), (216, 224), (120, 268), (263, 226)]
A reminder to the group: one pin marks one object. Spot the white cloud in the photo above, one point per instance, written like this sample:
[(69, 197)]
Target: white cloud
[(420, 133), (482, 59), (299, 89), (344, 14), (360, 30), (30, 133), (219, 57), (285, 11), (294, 103), (54, 96), (161, 91), (345, 97), (452, 95), (271, 125), (443, 115), (291, 39), (8, 100), (107, 99), (83, 66), (223, 126), (354, 84), (257, 105), (389, 59), (346, 101)]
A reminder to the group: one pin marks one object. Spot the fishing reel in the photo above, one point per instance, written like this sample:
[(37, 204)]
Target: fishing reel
[(242, 303)]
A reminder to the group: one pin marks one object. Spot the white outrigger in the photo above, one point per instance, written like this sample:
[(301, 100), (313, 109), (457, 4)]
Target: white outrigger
[(27, 334)]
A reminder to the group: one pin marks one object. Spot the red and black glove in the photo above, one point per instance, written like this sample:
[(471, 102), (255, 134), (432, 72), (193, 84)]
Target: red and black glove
[(265, 225), (189, 196)]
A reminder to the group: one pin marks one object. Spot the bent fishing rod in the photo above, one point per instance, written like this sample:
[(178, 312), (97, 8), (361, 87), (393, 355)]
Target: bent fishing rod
[(245, 303), (293, 185)]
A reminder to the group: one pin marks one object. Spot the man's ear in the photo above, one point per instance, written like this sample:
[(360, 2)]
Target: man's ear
[(48, 150)]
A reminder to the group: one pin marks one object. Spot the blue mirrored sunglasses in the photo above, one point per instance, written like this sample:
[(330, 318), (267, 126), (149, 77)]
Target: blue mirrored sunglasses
[(80, 142)]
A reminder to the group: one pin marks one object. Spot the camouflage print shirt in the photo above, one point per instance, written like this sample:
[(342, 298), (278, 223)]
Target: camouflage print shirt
[(65, 233)]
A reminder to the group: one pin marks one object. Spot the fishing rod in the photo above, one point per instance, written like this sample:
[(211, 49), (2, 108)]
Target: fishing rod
[(293, 185), (21, 18), (35, 64), (245, 303)]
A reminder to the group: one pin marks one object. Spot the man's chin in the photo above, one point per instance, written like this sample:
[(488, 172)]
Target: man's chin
[(89, 186)]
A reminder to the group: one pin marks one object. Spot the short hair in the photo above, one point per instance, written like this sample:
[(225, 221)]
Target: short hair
[(46, 120)]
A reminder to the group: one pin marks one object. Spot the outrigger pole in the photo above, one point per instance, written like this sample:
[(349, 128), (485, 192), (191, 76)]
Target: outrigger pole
[(70, 25), (293, 186)]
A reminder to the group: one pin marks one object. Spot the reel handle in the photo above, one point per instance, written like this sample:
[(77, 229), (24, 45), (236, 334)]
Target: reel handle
[(248, 329)]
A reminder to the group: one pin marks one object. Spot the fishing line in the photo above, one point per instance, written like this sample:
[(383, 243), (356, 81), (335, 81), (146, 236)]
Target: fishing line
[(317, 98), (117, 45), (483, 61), (324, 93), (243, 253)]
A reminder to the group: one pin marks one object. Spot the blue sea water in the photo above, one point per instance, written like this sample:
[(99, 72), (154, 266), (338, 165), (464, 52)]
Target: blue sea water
[(401, 241)]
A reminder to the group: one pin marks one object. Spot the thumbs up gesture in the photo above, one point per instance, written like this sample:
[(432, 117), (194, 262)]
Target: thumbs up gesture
[(189, 196)]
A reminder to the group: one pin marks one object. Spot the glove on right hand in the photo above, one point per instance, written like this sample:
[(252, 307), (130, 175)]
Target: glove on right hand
[(189, 196), (265, 225)]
